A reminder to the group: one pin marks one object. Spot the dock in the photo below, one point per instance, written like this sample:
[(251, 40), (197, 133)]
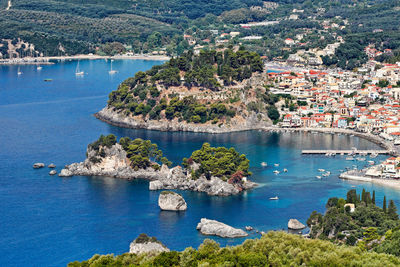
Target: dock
[(345, 152)]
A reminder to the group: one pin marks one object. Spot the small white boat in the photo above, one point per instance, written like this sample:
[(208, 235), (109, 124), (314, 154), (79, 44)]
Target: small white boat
[(274, 198), (371, 162), (39, 67), (78, 72), (264, 164), (276, 165), (321, 170), (111, 70), (361, 159), (285, 170), (276, 172), (19, 71), (349, 158), (318, 177)]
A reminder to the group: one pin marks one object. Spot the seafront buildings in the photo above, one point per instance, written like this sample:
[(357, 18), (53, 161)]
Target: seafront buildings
[(365, 101)]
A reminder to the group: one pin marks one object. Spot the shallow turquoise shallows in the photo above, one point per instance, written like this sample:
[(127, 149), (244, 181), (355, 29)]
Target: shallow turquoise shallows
[(50, 221)]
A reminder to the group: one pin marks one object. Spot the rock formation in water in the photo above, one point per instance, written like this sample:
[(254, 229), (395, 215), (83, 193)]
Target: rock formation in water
[(212, 227), (294, 224), (172, 201), (146, 244), (113, 160), (38, 165)]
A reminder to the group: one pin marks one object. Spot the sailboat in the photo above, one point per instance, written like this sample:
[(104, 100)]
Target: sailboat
[(19, 71), (78, 72), (111, 70)]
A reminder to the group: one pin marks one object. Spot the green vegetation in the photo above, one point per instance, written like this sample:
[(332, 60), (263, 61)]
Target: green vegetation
[(141, 153), (143, 95), (221, 162), (143, 238), (366, 227), (272, 249)]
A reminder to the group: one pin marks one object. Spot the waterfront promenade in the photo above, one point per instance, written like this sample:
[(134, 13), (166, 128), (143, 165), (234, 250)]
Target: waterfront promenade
[(346, 152)]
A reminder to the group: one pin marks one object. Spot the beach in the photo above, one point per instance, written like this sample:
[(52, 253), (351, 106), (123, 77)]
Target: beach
[(48, 60)]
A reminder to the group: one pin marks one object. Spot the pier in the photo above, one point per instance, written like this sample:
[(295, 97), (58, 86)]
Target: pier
[(346, 152)]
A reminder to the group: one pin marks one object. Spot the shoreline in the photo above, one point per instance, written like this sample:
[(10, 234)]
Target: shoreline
[(113, 118), (380, 181), (47, 60), (116, 119)]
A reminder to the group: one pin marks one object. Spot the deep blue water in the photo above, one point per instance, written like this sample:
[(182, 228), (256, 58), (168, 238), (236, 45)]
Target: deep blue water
[(50, 221)]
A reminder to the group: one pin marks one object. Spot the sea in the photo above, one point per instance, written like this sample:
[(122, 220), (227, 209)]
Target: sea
[(51, 221)]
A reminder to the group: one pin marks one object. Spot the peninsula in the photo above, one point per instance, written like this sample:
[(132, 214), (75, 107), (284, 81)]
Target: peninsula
[(213, 91), (215, 171)]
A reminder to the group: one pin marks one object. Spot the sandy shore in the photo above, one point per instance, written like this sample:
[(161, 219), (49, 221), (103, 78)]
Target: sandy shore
[(47, 60), (380, 181)]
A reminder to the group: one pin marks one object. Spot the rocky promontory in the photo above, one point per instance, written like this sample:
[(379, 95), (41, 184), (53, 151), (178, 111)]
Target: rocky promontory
[(294, 224), (172, 201), (212, 227), (130, 159), (146, 244)]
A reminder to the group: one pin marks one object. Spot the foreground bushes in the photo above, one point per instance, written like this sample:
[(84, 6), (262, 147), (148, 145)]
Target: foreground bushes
[(273, 249)]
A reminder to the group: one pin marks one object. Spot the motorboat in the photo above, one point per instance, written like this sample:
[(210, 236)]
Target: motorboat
[(264, 164), (321, 170), (276, 172), (274, 198)]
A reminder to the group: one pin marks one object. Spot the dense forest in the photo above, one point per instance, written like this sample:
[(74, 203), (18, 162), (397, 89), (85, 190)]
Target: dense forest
[(147, 25), (147, 93), (272, 249), (368, 226)]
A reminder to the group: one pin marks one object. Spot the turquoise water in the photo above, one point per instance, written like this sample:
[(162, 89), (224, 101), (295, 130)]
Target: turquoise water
[(50, 221)]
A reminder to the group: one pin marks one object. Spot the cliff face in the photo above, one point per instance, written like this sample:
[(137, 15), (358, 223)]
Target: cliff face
[(115, 164), (113, 117)]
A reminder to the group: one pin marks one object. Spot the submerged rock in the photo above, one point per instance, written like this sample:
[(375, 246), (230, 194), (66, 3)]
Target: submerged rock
[(53, 172), (38, 165), (212, 227), (146, 244), (294, 224), (171, 201)]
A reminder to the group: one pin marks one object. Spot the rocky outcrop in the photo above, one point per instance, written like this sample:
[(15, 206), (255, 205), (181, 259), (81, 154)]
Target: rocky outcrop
[(171, 201), (51, 166), (109, 115), (212, 227), (176, 179), (53, 172), (113, 164), (146, 244), (294, 224), (38, 165)]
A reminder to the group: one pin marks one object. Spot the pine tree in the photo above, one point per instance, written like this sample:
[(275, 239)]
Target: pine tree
[(384, 204), (373, 197), (392, 210)]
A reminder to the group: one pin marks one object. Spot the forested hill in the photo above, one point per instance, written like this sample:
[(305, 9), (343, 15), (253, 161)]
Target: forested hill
[(81, 25)]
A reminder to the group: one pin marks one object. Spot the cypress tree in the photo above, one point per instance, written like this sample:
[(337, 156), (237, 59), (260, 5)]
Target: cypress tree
[(384, 204), (363, 196), (392, 210), (373, 197), (368, 198)]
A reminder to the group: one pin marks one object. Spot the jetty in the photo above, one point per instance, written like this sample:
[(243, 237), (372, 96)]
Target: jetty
[(346, 152)]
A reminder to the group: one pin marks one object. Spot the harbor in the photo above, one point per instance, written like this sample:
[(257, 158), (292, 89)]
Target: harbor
[(345, 152)]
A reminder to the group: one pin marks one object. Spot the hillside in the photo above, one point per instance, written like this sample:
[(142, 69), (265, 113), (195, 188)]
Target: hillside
[(145, 26), (272, 249), (215, 91)]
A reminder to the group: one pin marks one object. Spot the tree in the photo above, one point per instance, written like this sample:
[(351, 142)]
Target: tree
[(373, 197), (352, 196), (392, 210), (273, 113), (384, 204)]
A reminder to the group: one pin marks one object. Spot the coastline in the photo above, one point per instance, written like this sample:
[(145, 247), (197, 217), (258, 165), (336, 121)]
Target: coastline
[(47, 60), (116, 119), (380, 181)]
